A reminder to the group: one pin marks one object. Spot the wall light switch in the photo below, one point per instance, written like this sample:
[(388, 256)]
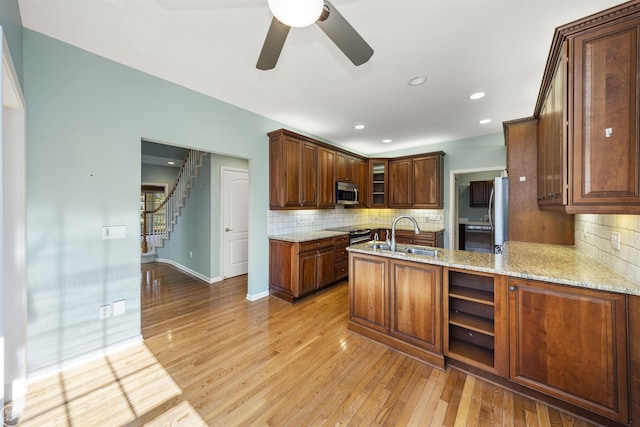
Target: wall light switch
[(113, 232), (523, 178)]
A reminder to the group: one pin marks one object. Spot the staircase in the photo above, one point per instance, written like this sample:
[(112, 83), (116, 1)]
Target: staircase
[(158, 224)]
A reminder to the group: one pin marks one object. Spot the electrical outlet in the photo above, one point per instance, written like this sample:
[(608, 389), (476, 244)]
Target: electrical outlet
[(615, 240), (105, 311), (190, 254), (584, 231)]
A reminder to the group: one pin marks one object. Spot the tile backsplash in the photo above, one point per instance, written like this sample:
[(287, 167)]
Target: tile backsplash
[(283, 222), (593, 237)]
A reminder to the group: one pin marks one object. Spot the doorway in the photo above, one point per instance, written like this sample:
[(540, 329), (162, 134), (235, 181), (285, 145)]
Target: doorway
[(459, 185), (235, 221)]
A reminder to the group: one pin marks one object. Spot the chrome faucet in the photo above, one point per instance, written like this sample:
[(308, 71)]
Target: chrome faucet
[(393, 229)]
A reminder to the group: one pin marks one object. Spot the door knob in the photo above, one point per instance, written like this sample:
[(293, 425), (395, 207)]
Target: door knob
[(228, 229)]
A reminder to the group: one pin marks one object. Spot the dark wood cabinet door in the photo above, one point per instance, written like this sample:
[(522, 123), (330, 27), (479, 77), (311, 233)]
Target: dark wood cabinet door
[(552, 139), (307, 273), (427, 182), (480, 191), (326, 178), (342, 167), (571, 344), (368, 290), (416, 304), (284, 185), (309, 175), (325, 267), (362, 180), (400, 183), (605, 139)]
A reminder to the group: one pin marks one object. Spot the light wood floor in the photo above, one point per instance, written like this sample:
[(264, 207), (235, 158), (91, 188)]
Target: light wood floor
[(210, 357)]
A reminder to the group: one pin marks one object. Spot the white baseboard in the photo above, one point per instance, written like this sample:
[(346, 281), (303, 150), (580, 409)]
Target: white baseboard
[(82, 359), (189, 271), (259, 295)]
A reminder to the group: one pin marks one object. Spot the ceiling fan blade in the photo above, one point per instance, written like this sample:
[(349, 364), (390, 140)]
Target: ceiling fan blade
[(344, 35), (272, 45)]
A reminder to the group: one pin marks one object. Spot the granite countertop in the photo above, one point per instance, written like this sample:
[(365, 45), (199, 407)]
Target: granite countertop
[(305, 236), (549, 263)]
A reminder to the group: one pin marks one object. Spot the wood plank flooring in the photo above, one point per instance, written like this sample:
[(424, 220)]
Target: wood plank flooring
[(210, 357)]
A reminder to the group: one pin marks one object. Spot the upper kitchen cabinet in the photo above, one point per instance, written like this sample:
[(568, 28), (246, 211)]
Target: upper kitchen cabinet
[(605, 119), (552, 139), (588, 115), (378, 183), (416, 181), (350, 168), (326, 178), (480, 192), (294, 175)]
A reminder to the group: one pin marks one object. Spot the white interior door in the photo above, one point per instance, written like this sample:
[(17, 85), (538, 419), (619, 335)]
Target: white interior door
[(235, 221)]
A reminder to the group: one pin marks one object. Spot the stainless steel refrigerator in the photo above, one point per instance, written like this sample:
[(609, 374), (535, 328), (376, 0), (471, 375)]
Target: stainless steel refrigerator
[(499, 212)]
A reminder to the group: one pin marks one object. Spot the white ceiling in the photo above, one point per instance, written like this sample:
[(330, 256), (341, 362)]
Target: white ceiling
[(211, 46)]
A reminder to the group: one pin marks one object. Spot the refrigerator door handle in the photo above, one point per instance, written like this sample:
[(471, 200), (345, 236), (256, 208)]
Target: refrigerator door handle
[(490, 202)]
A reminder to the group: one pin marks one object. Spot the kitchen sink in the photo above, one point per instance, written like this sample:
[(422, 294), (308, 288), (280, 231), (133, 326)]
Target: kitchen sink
[(407, 250), (421, 251)]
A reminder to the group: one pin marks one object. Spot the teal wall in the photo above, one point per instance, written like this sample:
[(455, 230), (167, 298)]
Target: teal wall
[(11, 24), (472, 153), (155, 174), (86, 118), (190, 242)]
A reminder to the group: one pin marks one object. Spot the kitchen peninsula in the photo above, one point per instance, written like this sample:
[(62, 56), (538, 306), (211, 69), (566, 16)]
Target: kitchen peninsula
[(545, 317)]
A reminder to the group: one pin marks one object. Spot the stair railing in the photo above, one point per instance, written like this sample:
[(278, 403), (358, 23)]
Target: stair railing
[(158, 223)]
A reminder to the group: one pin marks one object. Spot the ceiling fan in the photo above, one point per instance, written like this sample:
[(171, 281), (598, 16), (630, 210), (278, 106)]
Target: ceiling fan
[(298, 13)]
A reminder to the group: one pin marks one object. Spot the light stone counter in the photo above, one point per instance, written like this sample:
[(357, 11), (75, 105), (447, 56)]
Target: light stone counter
[(549, 263), (306, 236)]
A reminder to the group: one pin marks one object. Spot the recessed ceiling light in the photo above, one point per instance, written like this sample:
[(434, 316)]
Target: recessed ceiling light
[(386, 141), (358, 127), (477, 95), (484, 121), (417, 81), (171, 163)]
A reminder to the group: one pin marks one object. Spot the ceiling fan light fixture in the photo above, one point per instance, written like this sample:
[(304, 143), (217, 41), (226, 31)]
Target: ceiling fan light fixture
[(296, 13)]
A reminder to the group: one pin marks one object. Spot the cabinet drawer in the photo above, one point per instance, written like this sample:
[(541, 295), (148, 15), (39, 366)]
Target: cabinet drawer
[(315, 244), (341, 240), (340, 254), (342, 269)]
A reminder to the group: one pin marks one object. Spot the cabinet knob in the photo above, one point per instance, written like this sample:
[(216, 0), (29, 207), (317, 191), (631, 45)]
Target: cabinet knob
[(512, 288)]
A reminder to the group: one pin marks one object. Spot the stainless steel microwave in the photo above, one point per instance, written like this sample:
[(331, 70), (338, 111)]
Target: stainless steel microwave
[(347, 193)]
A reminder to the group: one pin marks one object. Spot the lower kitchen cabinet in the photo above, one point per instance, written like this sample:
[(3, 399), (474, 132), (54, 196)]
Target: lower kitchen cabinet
[(368, 291), (571, 343), (299, 268), (416, 301), (398, 304)]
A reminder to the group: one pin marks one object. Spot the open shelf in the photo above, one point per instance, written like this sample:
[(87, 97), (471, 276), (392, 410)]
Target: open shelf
[(474, 323), (471, 318), (471, 351), (470, 294)]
